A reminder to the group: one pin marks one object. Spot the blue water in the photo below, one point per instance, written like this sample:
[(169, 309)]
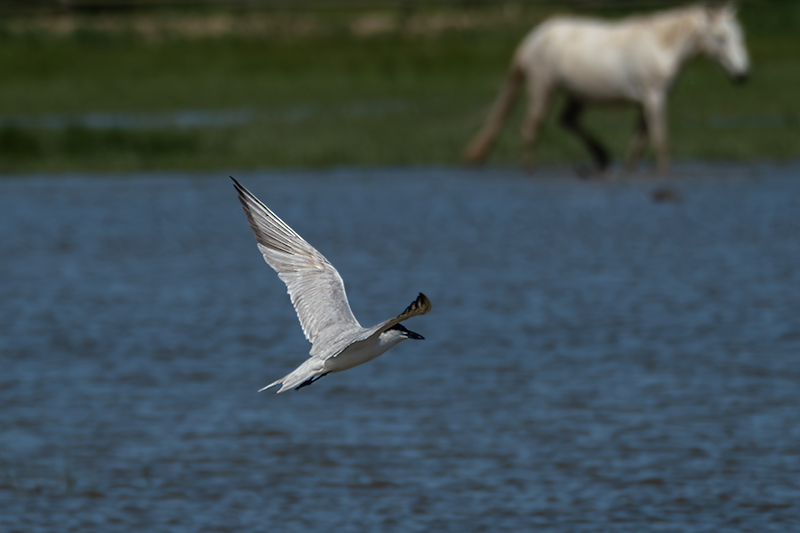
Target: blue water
[(594, 361)]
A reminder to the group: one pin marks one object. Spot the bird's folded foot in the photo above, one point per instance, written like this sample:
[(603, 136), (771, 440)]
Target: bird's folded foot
[(310, 380)]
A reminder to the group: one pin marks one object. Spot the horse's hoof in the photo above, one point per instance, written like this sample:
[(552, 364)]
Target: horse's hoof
[(593, 173), (665, 194)]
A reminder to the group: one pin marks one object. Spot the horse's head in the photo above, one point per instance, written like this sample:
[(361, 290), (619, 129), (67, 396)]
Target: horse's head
[(723, 41)]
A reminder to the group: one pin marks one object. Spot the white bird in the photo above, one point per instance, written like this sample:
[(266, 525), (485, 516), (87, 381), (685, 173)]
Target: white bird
[(338, 341)]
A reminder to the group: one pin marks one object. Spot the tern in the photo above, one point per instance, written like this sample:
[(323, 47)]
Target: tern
[(338, 341)]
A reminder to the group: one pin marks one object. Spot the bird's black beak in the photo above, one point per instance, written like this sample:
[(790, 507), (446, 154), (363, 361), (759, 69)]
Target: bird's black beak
[(412, 335)]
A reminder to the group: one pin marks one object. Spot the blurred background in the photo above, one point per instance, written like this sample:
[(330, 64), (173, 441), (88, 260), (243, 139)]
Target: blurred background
[(169, 84)]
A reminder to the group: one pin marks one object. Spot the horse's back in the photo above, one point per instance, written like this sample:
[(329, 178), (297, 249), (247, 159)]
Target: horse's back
[(596, 59)]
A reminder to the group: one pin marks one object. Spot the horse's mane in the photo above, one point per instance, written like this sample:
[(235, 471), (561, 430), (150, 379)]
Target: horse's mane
[(664, 15), (675, 12), (679, 10)]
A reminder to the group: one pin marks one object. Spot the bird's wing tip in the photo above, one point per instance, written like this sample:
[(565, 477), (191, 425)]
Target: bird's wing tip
[(421, 305)]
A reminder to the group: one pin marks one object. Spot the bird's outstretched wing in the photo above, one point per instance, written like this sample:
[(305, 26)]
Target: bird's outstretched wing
[(315, 287)]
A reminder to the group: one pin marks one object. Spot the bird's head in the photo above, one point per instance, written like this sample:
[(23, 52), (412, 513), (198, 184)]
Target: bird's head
[(399, 332)]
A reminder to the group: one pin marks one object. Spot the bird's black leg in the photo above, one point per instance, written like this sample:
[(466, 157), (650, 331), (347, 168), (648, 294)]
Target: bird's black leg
[(309, 381)]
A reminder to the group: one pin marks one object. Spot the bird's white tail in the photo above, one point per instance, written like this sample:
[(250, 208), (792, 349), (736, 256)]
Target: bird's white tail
[(312, 367)]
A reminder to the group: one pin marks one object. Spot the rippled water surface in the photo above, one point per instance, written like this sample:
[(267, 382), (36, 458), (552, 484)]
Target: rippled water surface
[(594, 362)]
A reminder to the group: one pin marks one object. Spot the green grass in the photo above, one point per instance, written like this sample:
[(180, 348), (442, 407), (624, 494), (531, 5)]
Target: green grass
[(330, 97)]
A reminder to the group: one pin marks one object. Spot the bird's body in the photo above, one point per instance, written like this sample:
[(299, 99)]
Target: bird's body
[(338, 341)]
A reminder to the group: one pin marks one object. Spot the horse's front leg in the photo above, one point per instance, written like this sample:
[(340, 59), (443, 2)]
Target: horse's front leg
[(637, 144), (570, 119), (654, 107)]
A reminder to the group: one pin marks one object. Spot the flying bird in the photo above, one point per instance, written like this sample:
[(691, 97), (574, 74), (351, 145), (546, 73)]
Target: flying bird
[(338, 341)]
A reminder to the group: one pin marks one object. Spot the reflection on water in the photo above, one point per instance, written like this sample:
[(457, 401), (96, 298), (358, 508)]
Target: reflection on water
[(188, 118), (226, 118), (595, 361), (193, 118)]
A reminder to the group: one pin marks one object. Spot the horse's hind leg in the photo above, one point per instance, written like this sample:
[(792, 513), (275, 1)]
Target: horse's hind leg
[(482, 143), (539, 97), (570, 119), (638, 142)]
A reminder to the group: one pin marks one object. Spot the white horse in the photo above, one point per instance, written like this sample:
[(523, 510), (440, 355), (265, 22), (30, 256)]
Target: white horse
[(633, 60)]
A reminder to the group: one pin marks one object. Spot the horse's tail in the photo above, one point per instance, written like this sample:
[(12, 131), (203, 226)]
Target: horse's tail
[(480, 145)]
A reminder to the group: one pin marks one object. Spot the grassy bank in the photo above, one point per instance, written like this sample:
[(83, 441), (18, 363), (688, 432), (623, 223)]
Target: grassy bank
[(340, 88)]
